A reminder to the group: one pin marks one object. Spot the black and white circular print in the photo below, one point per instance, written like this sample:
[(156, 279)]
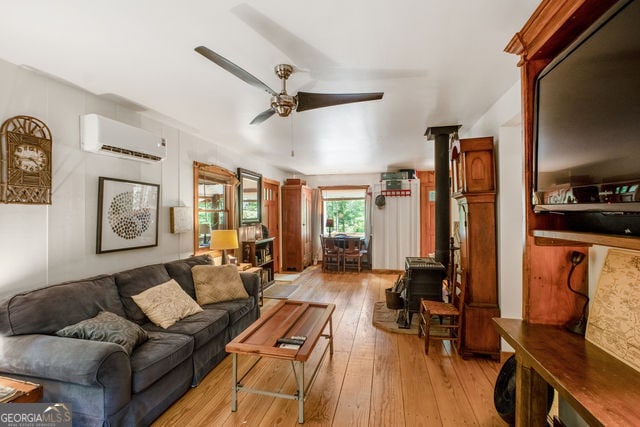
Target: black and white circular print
[(127, 215), (126, 218)]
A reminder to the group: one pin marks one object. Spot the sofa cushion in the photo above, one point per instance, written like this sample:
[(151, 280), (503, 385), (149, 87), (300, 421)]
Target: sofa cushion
[(217, 283), (46, 310), (202, 326), (237, 309), (132, 282), (158, 355), (166, 303), (180, 270), (107, 327)]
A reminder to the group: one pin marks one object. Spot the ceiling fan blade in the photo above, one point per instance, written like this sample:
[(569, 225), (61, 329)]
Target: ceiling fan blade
[(263, 116), (234, 69), (309, 101)]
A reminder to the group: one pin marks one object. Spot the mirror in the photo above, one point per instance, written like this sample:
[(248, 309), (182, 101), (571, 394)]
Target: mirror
[(250, 196)]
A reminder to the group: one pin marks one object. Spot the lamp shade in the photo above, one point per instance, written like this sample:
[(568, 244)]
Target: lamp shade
[(224, 239), (329, 222)]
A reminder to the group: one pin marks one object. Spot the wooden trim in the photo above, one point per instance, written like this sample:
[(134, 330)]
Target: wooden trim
[(222, 173), (271, 181), (575, 238), (554, 25)]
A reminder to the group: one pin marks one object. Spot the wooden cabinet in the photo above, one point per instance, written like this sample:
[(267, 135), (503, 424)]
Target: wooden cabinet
[(547, 254), (598, 386), (474, 190), (472, 169), (259, 253), (297, 242)]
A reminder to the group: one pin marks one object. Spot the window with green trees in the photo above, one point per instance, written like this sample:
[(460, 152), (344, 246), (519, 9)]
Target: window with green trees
[(346, 207)]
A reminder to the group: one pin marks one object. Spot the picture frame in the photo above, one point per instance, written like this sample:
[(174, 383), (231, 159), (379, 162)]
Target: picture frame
[(127, 215)]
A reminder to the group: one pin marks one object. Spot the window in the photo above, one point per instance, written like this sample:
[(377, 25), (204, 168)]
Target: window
[(214, 198), (212, 209), (346, 207)]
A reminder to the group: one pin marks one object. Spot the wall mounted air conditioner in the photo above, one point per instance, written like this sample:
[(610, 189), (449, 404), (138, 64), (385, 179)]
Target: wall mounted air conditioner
[(99, 134)]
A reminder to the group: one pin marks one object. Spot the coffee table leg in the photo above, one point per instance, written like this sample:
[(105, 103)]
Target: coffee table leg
[(331, 334), (234, 385), (300, 379)]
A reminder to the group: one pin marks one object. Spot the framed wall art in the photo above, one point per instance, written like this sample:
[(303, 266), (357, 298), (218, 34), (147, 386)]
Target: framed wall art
[(181, 219), (127, 215)]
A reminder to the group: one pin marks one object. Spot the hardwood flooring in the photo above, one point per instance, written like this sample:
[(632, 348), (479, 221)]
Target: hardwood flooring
[(374, 378)]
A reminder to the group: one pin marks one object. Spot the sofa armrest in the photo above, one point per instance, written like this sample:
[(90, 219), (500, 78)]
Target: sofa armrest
[(252, 283), (90, 363)]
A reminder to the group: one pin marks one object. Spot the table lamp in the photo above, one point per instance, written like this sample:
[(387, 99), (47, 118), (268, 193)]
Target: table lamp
[(223, 240), (329, 225)]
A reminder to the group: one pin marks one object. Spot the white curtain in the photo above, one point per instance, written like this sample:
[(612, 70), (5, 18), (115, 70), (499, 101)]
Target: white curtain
[(317, 224), (396, 228)]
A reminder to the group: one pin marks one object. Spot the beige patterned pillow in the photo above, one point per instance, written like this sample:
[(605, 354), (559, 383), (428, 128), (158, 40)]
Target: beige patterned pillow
[(167, 303), (217, 283)]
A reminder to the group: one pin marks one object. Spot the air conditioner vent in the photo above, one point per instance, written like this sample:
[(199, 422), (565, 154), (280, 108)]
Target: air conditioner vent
[(130, 153)]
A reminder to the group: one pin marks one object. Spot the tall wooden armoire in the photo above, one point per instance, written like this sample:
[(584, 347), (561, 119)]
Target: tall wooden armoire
[(473, 187), (297, 242)]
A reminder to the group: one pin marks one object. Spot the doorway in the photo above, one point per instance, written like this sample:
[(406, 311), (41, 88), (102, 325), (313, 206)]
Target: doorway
[(271, 216)]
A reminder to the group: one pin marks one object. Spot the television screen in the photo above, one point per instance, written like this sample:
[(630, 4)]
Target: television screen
[(587, 138)]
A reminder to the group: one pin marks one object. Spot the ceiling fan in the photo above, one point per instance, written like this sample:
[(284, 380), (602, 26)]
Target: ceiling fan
[(283, 103)]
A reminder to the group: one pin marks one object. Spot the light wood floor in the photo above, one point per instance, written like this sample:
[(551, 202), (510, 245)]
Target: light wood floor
[(374, 378)]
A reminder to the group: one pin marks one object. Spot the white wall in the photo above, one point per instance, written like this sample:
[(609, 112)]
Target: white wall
[(45, 244)]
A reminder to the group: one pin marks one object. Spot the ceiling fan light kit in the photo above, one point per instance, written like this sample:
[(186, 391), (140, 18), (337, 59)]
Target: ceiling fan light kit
[(282, 103)]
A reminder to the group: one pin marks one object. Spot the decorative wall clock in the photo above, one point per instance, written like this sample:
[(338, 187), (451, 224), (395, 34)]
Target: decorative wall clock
[(26, 161)]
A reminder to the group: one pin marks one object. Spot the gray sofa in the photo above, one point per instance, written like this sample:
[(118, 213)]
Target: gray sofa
[(103, 384)]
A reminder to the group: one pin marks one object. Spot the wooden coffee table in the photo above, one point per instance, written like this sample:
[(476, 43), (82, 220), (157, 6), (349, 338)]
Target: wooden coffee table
[(286, 319)]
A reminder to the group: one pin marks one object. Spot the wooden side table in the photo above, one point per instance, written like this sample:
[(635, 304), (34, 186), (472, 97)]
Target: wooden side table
[(27, 392)]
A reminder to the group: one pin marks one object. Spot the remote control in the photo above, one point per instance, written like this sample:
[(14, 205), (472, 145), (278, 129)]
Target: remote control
[(293, 341)]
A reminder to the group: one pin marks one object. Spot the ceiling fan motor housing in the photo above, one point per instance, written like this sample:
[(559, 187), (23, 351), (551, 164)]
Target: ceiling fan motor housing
[(284, 104)]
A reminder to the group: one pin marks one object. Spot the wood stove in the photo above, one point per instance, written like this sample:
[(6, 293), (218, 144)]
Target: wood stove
[(423, 279)]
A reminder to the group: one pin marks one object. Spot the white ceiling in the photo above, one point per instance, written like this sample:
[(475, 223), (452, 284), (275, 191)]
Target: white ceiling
[(438, 63)]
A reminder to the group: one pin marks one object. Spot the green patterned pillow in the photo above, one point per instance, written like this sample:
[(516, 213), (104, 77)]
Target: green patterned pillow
[(107, 327)]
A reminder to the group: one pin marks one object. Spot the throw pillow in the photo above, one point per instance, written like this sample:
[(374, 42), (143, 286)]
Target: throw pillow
[(165, 304), (217, 283), (107, 327)]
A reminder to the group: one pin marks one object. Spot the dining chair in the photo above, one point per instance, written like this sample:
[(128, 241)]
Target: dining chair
[(449, 314), (351, 254), (330, 254)]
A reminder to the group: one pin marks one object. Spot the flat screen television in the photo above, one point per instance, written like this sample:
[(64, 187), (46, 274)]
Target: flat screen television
[(587, 121)]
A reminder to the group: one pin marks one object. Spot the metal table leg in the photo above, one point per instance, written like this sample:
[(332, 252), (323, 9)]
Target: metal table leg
[(299, 373), (234, 384)]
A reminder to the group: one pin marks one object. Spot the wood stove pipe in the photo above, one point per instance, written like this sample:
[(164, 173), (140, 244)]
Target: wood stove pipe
[(441, 135)]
